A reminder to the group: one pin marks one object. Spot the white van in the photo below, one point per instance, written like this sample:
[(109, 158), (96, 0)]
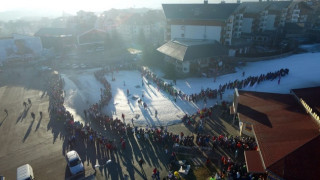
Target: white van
[(25, 172)]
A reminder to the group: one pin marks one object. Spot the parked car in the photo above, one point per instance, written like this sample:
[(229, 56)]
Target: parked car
[(25, 172), (74, 162)]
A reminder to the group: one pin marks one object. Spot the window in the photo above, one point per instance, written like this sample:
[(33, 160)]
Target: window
[(75, 162), (182, 35)]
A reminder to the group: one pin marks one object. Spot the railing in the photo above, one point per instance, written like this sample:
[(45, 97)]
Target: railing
[(309, 110)]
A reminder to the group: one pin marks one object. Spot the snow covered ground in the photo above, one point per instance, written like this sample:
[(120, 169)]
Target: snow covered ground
[(82, 89)]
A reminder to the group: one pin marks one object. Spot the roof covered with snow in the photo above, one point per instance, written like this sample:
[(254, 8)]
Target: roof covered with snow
[(187, 51)]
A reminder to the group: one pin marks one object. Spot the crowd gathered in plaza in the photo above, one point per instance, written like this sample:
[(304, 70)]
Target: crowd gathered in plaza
[(156, 135)]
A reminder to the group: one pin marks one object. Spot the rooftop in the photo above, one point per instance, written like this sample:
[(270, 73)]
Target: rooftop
[(311, 96), (254, 163), (279, 123), (257, 7), (220, 12), (191, 50)]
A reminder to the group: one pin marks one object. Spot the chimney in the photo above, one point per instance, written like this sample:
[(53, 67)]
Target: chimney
[(238, 2), (223, 1), (205, 2)]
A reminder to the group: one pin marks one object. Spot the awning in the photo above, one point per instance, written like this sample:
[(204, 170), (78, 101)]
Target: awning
[(253, 161)]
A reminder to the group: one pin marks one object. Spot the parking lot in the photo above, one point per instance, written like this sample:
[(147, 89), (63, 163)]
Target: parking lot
[(40, 141)]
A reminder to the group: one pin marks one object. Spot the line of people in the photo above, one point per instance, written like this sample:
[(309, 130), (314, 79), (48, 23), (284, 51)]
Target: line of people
[(212, 93), (56, 97)]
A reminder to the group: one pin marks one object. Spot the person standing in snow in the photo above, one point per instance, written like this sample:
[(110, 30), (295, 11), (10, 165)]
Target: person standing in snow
[(123, 117)]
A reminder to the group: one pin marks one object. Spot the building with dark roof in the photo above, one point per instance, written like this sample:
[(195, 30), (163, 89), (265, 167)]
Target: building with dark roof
[(197, 21), (238, 26), (219, 12), (184, 53), (195, 34), (66, 38), (57, 38), (287, 135), (310, 99)]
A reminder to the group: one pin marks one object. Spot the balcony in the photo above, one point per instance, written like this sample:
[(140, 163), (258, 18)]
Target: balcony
[(263, 18), (264, 13), (227, 36), (237, 29), (238, 24), (296, 11), (239, 17), (261, 24), (238, 21), (295, 16)]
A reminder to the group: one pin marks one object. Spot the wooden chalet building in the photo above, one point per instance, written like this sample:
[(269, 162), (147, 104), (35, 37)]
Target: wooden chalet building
[(186, 55), (286, 129)]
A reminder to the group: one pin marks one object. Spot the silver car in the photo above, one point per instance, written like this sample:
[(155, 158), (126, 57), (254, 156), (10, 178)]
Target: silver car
[(74, 162)]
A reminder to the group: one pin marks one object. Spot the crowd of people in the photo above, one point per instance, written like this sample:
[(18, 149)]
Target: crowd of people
[(160, 135), (231, 169), (85, 134), (106, 91), (56, 95), (212, 93)]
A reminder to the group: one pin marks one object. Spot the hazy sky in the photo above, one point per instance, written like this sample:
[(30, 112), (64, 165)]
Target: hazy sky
[(73, 6)]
